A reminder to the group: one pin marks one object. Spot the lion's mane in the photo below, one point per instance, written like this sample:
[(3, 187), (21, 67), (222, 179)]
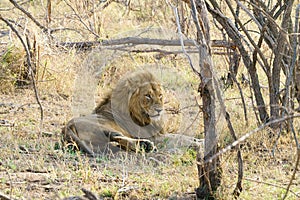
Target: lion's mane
[(128, 118), (124, 106)]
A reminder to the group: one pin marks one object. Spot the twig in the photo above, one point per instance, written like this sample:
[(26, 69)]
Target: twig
[(194, 120), (294, 173), (267, 15), (89, 195), (20, 3), (44, 29), (247, 135), (270, 184), (11, 185), (243, 98), (239, 40), (253, 18), (30, 69), (251, 88), (238, 189), (4, 197), (248, 35), (80, 19), (63, 29), (182, 41), (4, 122)]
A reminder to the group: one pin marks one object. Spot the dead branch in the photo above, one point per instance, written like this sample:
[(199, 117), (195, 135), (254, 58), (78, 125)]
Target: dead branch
[(182, 41), (48, 13), (257, 48), (271, 184), (238, 39), (31, 72), (242, 97), (247, 135), (238, 189), (5, 123), (294, 173), (88, 45), (81, 21), (277, 62), (89, 195), (44, 29), (249, 82), (150, 50), (4, 197)]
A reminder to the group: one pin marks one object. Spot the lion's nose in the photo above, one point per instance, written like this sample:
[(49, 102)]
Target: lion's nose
[(158, 110)]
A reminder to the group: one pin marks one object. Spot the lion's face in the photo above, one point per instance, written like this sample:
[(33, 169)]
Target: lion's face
[(146, 104)]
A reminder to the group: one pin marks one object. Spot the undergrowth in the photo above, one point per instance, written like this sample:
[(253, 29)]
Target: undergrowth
[(33, 166)]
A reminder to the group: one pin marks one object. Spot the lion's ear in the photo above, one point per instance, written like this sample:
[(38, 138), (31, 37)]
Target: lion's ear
[(134, 91), (129, 83), (131, 94), (132, 87)]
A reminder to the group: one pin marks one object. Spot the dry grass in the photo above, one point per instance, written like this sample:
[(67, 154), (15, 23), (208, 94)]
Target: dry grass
[(31, 165), (32, 168)]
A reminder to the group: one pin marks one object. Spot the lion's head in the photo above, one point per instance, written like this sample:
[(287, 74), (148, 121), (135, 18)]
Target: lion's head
[(140, 96), (146, 103)]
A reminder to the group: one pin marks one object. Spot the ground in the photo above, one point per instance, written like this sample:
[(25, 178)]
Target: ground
[(32, 166)]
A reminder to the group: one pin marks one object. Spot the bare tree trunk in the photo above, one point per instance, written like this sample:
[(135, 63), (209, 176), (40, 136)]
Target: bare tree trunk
[(278, 62), (209, 172)]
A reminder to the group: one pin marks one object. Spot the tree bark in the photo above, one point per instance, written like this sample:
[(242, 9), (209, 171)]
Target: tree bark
[(209, 172), (277, 63)]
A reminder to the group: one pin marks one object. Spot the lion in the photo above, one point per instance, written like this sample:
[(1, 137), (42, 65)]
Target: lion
[(129, 118)]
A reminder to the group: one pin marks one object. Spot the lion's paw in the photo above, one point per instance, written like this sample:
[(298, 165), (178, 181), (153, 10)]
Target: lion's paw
[(147, 146)]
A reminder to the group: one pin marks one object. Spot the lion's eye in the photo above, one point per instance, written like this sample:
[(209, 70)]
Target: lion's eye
[(148, 96)]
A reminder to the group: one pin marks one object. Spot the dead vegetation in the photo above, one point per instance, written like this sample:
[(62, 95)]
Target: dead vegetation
[(32, 163)]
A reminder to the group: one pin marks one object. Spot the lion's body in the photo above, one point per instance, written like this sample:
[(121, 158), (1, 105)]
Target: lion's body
[(128, 118)]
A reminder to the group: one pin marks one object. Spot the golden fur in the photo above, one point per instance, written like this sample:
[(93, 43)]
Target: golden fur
[(128, 118)]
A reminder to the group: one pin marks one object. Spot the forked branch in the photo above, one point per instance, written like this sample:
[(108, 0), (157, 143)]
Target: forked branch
[(44, 29)]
